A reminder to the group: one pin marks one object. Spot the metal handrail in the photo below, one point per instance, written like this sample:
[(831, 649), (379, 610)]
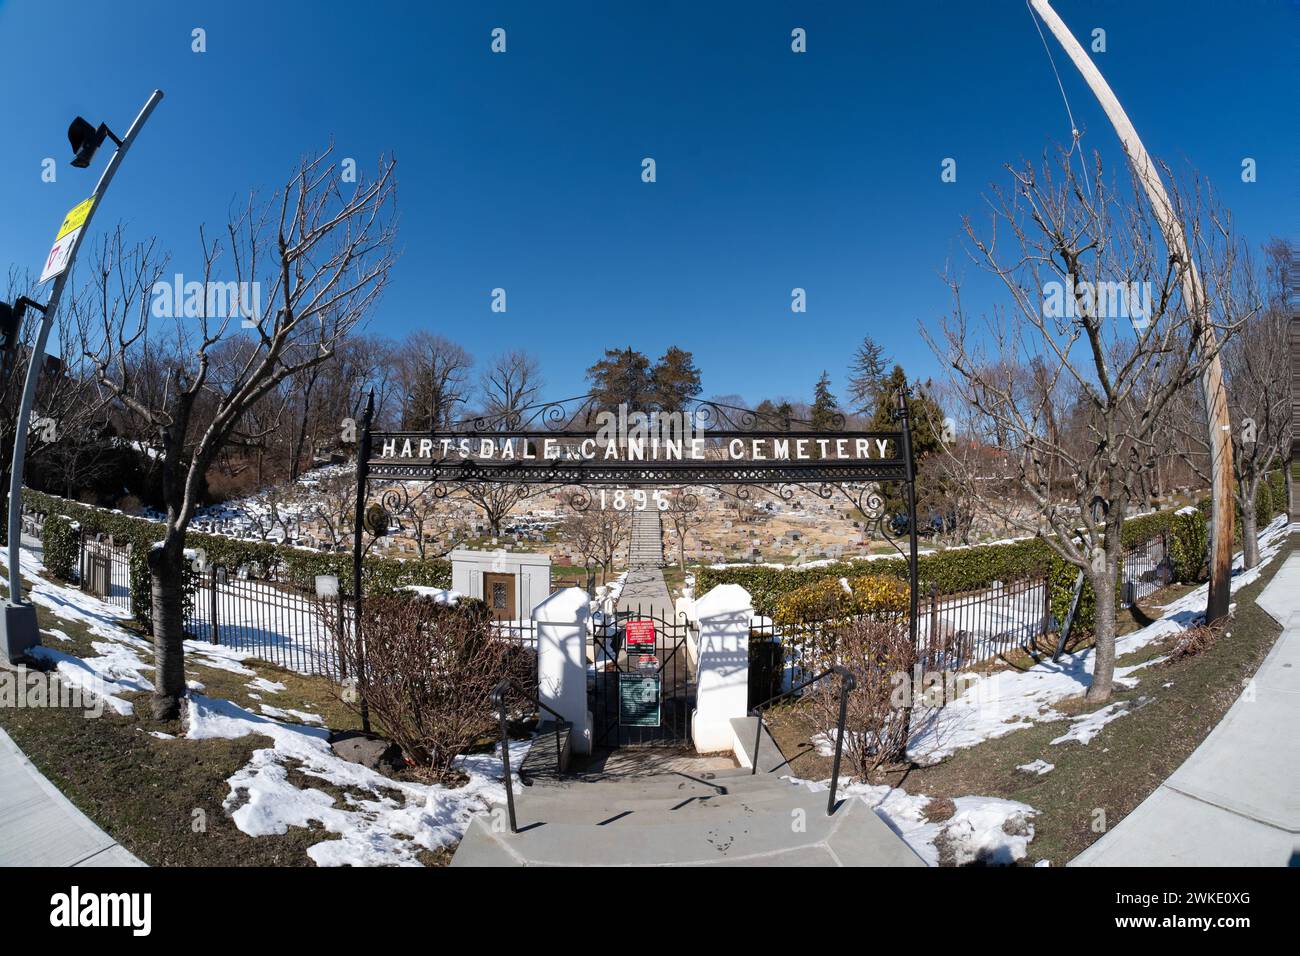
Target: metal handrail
[(498, 700), (847, 683)]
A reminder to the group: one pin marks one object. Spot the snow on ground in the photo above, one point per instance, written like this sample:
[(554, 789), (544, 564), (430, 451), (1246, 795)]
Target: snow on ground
[(1086, 726), (261, 683), (382, 822), (995, 704), (1039, 767), (976, 832), (379, 821)]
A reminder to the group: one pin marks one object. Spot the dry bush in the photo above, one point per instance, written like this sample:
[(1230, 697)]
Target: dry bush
[(874, 650), (429, 672), (1193, 641)]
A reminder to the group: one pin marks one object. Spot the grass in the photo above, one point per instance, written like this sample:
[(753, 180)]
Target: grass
[(162, 799), (1127, 760)]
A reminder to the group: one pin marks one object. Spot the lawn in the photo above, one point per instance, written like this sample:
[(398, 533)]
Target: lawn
[(1174, 706), (168, 798)]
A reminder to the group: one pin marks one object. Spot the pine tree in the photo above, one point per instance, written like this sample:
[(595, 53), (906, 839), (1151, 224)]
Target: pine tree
[(675, 380), (867, 375), (623, 376), (824, 408)]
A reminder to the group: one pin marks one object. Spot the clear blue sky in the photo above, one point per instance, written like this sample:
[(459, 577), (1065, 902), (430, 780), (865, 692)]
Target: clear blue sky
[(522, 170)]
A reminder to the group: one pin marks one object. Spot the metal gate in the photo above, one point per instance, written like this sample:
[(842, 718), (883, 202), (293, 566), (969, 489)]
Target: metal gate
[(641, 689)]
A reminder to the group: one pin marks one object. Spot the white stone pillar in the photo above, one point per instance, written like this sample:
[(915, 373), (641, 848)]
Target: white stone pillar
[(723, 684), (561, 622)]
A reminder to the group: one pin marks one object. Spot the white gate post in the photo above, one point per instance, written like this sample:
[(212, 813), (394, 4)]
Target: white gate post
[(561, 622), (723, 683)]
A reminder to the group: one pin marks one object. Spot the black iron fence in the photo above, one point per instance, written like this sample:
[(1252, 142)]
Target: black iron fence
[(1146, 569)]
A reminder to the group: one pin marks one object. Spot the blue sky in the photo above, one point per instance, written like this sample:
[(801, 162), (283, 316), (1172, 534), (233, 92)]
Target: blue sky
[(522, 170)]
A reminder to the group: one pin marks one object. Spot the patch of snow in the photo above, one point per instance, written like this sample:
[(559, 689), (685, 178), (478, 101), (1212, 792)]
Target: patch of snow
[(1088, 726), (55, 633), (299, 716), (974, 833), (1038, 766), (261, 683)]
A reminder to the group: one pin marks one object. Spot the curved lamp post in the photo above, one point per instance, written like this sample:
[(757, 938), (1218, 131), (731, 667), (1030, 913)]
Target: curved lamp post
[(18, 624)]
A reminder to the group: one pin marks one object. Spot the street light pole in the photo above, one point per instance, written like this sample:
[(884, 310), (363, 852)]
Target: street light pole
[(1216, 396), (20, 630)]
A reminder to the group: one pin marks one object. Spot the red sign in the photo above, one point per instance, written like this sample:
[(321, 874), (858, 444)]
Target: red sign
[(641, 632)]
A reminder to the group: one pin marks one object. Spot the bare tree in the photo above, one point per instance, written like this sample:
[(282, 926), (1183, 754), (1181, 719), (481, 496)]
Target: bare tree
[(321, 255), (496, 499), (683, 513), (1097, 322), (435, 377), (597, 534), (511, 383)]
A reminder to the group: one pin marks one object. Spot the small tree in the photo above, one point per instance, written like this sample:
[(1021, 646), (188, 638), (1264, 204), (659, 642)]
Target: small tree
[(1096, 326), (320, 257), (683, 513)]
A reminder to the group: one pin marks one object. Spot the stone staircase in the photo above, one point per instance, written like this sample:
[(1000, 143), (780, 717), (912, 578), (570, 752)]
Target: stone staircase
[(721, 817), (646, 549)]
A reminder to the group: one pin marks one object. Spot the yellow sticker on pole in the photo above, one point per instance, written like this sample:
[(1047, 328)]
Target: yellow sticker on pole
[(66, 241), (76, 217)]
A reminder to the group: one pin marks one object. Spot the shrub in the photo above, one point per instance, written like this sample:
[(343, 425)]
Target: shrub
[(837, 598), (428, 674), (61, 541), (1189, 543), (874, 650)]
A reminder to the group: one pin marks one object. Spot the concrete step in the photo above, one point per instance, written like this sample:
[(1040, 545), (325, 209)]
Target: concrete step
[(796, 831), (598, 801)]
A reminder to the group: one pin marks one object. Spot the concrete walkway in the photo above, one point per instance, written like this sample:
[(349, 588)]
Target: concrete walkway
[(1236, 800), (39, 826), (645, 591)]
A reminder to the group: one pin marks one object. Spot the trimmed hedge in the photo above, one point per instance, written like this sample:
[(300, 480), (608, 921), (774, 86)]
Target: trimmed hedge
[(262, 558), (61, 541), (834, 598), (953, 571)]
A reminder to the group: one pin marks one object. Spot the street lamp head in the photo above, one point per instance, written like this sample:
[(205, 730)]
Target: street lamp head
[(85, 139)]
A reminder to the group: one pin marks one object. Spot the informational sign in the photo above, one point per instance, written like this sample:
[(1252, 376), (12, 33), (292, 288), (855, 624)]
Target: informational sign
[(638, 700), (66, 239), (640, 632), (644, 662)]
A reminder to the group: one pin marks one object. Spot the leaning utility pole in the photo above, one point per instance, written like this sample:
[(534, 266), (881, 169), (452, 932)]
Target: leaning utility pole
[(1216, 397)]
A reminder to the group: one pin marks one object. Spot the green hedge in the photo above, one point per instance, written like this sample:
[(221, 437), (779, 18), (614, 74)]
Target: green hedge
[(953, 571), (263, 558), (61, 542)]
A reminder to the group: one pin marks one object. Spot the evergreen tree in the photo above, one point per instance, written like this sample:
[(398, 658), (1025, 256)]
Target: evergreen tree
[(675, 380), (824, 407), (867, 377), (623, 376)]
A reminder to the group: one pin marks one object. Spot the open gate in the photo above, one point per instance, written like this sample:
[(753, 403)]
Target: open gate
[(641, 686)]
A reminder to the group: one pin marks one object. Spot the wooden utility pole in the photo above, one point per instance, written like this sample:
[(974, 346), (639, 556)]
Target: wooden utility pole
[(1216, 397)]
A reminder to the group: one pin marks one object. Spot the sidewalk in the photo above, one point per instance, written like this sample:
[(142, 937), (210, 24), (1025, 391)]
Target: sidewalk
[(1236, 800), (39, 826)]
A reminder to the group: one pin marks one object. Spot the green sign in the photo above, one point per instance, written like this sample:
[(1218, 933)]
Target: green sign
[(638, 700)]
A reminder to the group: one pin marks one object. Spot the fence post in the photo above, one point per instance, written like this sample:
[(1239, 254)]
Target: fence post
[(932, 631), (341, 650), (1047, 604), (212, 606)]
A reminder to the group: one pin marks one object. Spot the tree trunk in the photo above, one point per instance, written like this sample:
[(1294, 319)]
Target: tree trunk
[(1292, 509), (1249, 526), (1103, 629), (167, 578)]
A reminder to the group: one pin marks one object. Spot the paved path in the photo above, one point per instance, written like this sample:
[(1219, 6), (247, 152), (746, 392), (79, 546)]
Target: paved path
[(645, 591), (1236, 800), (39, 826)]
